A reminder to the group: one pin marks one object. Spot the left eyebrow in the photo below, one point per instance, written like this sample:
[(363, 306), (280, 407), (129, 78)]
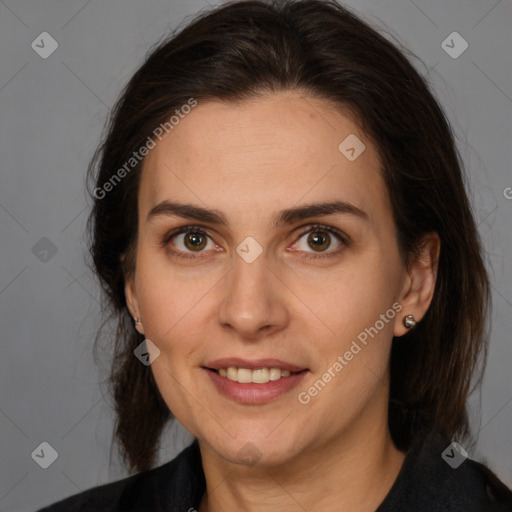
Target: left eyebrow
[(299, 213), (284, 217)]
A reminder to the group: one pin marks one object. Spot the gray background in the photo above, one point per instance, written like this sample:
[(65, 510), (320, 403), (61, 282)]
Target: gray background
[(52, 112)]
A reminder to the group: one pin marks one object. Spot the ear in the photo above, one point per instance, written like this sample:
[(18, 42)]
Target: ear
[(419, 283), (132, 303)]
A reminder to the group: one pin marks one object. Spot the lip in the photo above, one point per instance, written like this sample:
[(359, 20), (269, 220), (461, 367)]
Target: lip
[(252, 393), (253, 364)]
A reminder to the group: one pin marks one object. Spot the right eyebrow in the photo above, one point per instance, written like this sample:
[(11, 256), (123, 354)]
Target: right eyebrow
[(187, 211)]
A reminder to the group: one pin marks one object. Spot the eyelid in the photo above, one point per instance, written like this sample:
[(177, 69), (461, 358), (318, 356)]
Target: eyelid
[(324, 227), (342, 237), (183, 230)]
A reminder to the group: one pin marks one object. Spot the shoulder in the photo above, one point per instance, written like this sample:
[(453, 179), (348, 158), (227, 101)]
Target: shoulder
[(102, 498), (479, 489), (176, 485), (435, 476), (496, 492), (461, 482)]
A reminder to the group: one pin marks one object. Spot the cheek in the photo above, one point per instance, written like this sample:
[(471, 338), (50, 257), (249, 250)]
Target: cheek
[(167, 295), (176, 306), (355, 361), (354, 296), (358, 310), (171, 309)]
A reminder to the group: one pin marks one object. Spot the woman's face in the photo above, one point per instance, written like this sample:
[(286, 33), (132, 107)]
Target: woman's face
[(265, 284)]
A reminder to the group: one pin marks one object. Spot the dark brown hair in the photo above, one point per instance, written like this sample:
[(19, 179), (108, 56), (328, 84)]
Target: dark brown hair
[(244, 49)]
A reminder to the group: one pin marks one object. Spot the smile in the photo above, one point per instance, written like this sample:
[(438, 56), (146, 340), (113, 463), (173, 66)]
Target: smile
[(258, 376), (253, 387)]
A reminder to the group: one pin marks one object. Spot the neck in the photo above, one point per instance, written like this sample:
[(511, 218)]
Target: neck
[(353, 472)]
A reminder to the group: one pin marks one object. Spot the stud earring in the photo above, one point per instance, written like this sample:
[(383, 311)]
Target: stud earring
[(409, 321), (136, 320)]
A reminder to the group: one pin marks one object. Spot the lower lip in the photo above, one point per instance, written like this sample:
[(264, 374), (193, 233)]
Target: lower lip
[(252, 393)]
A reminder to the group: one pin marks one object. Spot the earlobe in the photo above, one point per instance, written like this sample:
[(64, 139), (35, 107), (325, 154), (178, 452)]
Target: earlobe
[(419, 284), (130, 296), (138, 325), (132, 304)]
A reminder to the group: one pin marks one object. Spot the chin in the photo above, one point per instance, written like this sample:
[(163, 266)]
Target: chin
[(257, 449)]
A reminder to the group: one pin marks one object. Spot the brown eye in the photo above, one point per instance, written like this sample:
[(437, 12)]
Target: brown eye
[(194, 241), (319, 240), (188, 242)]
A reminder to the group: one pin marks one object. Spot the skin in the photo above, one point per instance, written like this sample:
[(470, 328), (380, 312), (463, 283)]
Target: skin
[(250, 161)]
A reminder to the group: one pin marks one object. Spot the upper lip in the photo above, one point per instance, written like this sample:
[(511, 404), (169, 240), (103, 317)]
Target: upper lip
[(253, 364)]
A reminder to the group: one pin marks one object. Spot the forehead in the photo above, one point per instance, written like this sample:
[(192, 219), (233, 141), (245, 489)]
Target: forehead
[(279, 149)]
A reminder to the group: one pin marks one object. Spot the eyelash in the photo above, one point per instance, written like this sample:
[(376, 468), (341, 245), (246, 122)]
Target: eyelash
[(311, 228)]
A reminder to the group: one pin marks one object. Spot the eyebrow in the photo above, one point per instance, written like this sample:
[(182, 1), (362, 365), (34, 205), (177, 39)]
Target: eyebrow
[(288, 216)]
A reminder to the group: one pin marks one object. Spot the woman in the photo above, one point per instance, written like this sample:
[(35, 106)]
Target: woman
[(281, 228)]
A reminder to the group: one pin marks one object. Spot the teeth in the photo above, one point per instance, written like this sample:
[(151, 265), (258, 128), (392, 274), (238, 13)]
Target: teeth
[(275, 374), (259, 376), (244, 375)]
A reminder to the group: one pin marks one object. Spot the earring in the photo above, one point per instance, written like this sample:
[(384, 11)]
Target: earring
[(136, 320), (409, 321)]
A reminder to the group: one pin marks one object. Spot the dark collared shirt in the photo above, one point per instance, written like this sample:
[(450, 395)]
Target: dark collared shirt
[(427, 482)]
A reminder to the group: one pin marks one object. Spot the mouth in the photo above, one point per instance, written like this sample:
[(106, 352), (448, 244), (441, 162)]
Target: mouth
[(257, 376), (253, 382)]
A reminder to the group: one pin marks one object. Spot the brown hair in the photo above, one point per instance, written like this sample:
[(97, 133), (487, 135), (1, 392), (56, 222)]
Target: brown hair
[(244, 49)]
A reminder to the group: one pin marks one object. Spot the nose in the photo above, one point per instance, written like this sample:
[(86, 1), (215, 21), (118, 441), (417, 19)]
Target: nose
[(253, 304)]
